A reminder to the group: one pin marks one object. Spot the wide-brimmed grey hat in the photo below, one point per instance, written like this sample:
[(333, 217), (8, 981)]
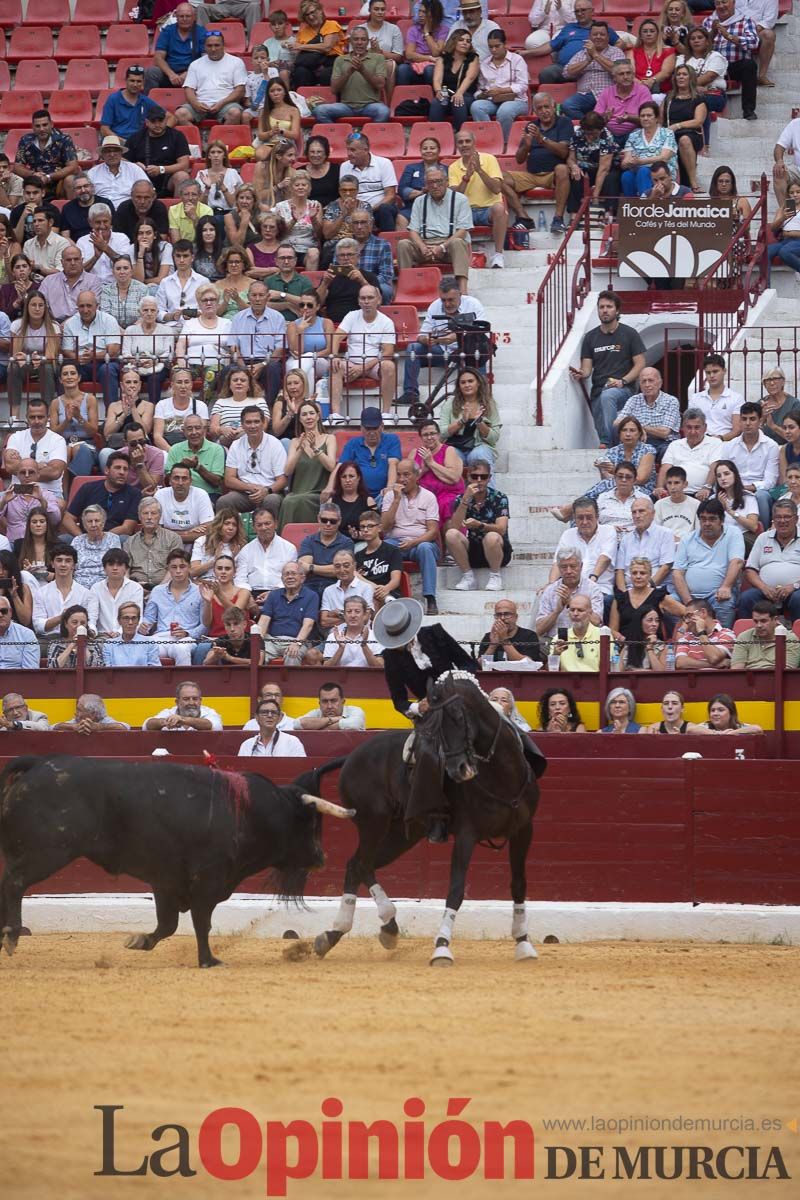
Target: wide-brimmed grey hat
[(397, 622)]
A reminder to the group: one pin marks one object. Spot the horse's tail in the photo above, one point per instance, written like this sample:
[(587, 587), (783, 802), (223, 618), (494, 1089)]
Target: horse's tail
[(310, 781)]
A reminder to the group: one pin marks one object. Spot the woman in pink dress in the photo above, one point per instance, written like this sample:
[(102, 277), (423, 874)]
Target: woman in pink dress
[(442, 468)]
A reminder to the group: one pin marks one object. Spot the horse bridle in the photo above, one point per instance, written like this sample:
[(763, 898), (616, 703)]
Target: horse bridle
[(474, 756)]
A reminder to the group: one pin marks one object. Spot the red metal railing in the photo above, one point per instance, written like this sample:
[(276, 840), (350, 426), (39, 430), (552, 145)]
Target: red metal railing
[(560, 295)]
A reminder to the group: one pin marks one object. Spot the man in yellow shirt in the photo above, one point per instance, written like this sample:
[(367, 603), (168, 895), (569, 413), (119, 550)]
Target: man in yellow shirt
[(479, 178), (183, 217), (581, 650)]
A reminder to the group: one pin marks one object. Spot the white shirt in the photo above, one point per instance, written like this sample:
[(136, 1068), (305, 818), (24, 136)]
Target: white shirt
[(206, 345), (759, 465), (748, 509), (695, 460), (679, 519), (104, 608), (353, 653), (655, 543), (334, 596), (115, 188), (48, 255), (760, 12), (285, 724), (351, 718), (48, 602), (49, 448), (366, 339), (603, 543), (790, 137), (373, 179), (280, 745), (270, 460), (214, 80), (104, 267), (614, 511), (208, 713), (719, 413), (196, 509), (172, 294), (259, 569), (714, 61), (199, 554)]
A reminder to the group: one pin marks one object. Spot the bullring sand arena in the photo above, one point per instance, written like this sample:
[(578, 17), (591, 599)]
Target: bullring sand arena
[(616, 1031)]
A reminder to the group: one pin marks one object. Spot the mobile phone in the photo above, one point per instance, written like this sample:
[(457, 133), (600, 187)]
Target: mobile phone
[(790, 205), (5, 585), (562, 632), (23, 489)]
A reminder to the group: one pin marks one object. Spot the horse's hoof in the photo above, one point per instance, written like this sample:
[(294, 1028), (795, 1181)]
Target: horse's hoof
[(387, 940), (8, 942), (524, 951), (24, 931), (321, 945), (442, 957), (290, 935), (212, 962), (137, 941)]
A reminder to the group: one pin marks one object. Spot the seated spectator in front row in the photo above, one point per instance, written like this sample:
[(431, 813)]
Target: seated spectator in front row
[(51, 599), (114, 494), (187, 714), (130, 648), (17, 716), (410, 520), (270, 691), (90, 717), (773, 566), (724, 718), (708, 563), (620, 711), (558, 712), (149, 549), (107, 596), (333, 712), (703, 645), (19, 649), (62, 654), (351, 644), (507, 640), (234, 649), (754, 649), (173, 612), (581, 650), (477, 533), (271, 741), (504, 699), (288, 618)]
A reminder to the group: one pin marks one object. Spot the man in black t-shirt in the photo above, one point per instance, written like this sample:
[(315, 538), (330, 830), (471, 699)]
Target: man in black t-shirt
[(73, 220), (143, 203), (21, 215), (507, 641), (162, 152), (613, 354), (339, 287), (542, 152), (379, 563)]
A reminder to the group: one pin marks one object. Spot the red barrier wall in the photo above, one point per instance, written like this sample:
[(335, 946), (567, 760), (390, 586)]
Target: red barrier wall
[(612, 829)]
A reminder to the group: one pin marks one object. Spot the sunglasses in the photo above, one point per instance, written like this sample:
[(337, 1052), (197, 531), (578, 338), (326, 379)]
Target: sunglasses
[(329, 520), (3, 611), (312, 305), (479, 476), (253, 458)]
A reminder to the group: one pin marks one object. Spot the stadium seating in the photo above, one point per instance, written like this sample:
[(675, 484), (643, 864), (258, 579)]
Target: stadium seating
[(77, 41), (414, 91), (96, 12), (231, 135), (337, 135), (39, 77), (73, 107), (387, 139), (125, 40), (10, 14), (296, 531), (30, 42), (87, 74), (139, 60), (234, 34), (406, 322), (488, 135), (54, 13), (441, 130), (418, 286), (168, 98)]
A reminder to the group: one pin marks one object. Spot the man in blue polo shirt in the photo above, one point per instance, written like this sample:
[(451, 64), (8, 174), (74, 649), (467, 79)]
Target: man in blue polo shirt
[(318, 550), (118, 499), (567, 42), (177, 46), (375, 452), (124, 111), (709, 561), (288, 617)]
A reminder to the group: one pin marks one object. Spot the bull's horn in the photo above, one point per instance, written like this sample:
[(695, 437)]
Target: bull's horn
[(327, 806)]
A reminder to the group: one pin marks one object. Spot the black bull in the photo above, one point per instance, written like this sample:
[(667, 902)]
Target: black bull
[(191, 833)]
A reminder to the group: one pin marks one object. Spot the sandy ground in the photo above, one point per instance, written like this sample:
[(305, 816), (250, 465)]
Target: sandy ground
[(616, 1030)]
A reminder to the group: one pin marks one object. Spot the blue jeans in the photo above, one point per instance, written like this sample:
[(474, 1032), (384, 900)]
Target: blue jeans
[(83, 459), (579, 105), (636, 183), (714, 104), (418, 357), (427, 555), (107, 376), (787, 252), (724, 610), (385, 217), (326, 114), (764, 502), (455, 114), (791, 606), (606, 408), (506, 113), (406, 77)]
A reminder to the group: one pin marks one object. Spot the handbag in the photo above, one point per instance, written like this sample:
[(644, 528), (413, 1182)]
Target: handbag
[(465, 440)]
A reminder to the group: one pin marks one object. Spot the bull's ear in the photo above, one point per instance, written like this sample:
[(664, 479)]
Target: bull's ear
[(327, 806)]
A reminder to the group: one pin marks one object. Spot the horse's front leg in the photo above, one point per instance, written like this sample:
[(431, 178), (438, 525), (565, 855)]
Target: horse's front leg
[(459, 865), (518, 845)]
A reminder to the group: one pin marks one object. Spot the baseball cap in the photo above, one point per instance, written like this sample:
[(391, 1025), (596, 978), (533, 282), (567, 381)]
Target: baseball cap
[(371, 418), (155, 114)]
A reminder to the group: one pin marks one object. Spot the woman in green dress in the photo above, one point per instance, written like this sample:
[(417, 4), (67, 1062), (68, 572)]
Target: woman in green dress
[(312, 457)]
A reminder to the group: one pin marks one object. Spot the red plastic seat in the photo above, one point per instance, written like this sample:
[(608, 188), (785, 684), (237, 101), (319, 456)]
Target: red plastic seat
[(231, 135), (77, 41), (17, 108), (441, 130), (54, 13), (406, 321), (96, 12), (387, 139), (85, 138), (337, 135), (39, 77), (261, 31), (517, 29), (137, 60), (168, 98), (10, 14), (126, 40), (73, 107), (488, 135), (192, 135), (414, 91), (30, 42), (517, 8), (418, 286), (87, 75), (12, 141), (234, 34), (515, 136), (295, 531), (626, 8), (5, 77), (78, 482)]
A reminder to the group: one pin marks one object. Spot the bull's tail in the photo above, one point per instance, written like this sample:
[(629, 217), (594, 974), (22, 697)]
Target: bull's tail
[(310, 781)]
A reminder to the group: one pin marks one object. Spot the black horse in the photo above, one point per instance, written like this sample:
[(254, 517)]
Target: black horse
[(468, 751)]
